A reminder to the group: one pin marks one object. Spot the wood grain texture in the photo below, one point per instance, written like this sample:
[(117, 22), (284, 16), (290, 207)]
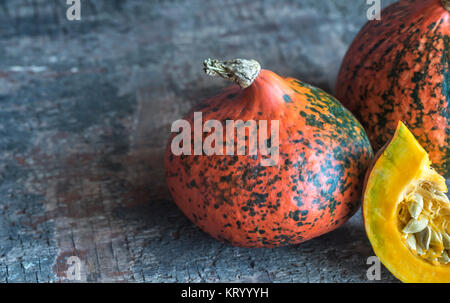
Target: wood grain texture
[(85, 113)]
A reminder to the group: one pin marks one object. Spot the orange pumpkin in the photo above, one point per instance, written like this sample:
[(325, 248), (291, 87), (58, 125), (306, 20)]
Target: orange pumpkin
[(398, 68), (313, 188)]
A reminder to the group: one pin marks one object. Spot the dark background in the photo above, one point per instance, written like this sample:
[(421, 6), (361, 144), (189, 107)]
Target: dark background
[(85, 113)]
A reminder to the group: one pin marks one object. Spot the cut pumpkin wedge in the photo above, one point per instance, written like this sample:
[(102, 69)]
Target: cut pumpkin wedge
[(407, 213)]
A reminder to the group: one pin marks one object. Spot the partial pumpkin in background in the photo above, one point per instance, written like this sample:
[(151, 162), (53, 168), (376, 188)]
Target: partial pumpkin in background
[(313, 188), (398, 69)]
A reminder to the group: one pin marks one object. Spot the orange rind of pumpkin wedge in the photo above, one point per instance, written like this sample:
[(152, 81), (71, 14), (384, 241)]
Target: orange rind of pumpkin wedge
[(407, 213)]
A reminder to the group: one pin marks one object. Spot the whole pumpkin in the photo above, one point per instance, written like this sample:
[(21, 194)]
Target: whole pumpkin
[(398, 69), (314, 186)]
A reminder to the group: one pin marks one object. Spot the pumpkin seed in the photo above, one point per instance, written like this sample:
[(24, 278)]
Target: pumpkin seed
[(416, 206), (419, 249), (415, 226), (435, 237), (442, 197), (446, 240), (444, 258), (411, 241), (417, 198), (424, 237)]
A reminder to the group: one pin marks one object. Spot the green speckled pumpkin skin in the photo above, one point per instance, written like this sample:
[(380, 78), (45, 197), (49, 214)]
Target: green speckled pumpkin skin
[(314, 188), (398, 69)]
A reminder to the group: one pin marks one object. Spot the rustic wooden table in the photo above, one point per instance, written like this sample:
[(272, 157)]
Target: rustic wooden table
[(85, 113)]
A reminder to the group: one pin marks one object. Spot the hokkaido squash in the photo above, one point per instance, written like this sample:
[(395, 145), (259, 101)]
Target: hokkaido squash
[(313, 187), (398, 68), (406, 212)]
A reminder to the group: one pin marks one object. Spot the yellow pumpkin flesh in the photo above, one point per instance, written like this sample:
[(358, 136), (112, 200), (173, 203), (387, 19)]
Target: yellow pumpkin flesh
[(401, 174)]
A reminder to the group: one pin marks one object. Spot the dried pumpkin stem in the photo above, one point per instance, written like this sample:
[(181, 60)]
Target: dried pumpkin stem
[(446, 4), (241, 71)]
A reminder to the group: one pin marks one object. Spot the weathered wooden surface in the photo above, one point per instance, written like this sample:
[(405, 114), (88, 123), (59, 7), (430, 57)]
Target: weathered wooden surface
[(85, 112)]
